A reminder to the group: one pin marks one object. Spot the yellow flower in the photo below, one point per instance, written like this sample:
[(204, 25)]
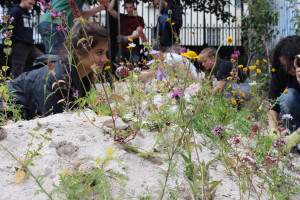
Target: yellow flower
[(110, 151), (231, 73), (258, 71), (107, 67), (234, 92), (273, 69), (241, 100), (252, 67), (190, 54), (107, 60), (245, 69), (285, 91), (243, 94), (164, 67), (232, 60), (240, 66), (130, 40), (265, 60), (122, 63), (257, 62), (257, 110), (173, 23), (234, 102), (229, 78), (251, 91), (229, 87), (168, 19), (229, 40)]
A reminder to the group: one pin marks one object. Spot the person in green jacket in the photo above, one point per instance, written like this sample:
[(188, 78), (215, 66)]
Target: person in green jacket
[(50, 27)]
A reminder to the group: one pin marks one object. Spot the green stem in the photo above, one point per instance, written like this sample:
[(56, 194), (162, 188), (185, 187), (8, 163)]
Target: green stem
[(216, 58)]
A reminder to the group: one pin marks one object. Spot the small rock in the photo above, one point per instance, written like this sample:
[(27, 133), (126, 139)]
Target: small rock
[(3, 134)]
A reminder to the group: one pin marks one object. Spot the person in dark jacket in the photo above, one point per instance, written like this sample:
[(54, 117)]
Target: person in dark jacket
[(169, 23), (23, 49), (222, 73), (52, 88), (284, 86)]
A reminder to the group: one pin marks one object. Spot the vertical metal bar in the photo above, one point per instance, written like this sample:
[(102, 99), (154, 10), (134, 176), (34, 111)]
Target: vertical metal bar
[(158, 24)]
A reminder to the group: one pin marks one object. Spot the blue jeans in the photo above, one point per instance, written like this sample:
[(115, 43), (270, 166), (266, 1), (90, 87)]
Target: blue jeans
[(290, 104), (52, 39), (238, 88)]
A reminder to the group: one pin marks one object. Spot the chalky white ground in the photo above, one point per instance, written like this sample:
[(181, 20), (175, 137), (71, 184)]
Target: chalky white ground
[(76, 143)]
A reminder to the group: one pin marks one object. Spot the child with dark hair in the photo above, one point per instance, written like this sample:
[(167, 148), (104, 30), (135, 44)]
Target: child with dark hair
[(284, 84), (222, 72), (53, 87)]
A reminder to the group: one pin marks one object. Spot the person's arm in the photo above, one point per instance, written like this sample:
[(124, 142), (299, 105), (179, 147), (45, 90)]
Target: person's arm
[(90, 12), (219, 87), (273, 118), (111, 9)]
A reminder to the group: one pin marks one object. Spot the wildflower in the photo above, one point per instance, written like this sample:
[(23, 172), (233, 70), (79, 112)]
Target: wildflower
[(285, 91), (193, 89), (107, 67), (229, 78), (270, 160), (75, 94), (264, 60), (218, 130), (190, 54), (253, 83), (160, 74), (45, 5), (233, 101), (251, 91), (130, 40), (153, 52), (258, 71), (110, 151), (150, 62), (233, 60), (173, 23), (245, 69), (273, 69), (257, 62), (287, 117), (235, 54), (168, 19), (255, 128), (280, 142), (60, 27), (76, 12), (183, 50), (123, 71), (235, 140), (229, 40), (137, 70), (176, 94), (252, 67)]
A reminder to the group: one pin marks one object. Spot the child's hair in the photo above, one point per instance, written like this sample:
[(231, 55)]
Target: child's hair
[(129, 1), (92, 32), (209, 52), (288, 47)]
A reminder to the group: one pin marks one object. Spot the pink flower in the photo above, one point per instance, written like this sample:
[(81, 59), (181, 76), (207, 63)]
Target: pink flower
[(235, 140), (270, 160), (176, 94), (218, 130)]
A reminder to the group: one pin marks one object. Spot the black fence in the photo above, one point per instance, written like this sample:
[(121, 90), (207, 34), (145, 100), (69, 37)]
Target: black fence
[(199, 28)]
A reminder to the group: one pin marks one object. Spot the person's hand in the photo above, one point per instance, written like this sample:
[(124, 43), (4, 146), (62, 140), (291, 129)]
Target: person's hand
[(122, 38), (104, 2)]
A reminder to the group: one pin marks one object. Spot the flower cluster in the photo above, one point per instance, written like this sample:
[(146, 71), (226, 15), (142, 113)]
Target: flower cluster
[(235, 54), (74, 8), (287, 117), (218, 130), (45, 5), (235, 140), (250, 160), (270, 160), (123, 71), (280, 142), (60, 27), (7, 19)]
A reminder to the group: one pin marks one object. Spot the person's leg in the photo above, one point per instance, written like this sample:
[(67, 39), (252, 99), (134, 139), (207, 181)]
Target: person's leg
[(33, 54), (19, 56), (290, 104), (52, 39)]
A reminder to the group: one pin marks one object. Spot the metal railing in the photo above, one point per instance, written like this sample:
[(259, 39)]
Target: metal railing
[(199, 28)]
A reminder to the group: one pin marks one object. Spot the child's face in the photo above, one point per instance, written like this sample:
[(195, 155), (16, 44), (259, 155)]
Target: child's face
[(96, 56), (283, 62), (207, 62)]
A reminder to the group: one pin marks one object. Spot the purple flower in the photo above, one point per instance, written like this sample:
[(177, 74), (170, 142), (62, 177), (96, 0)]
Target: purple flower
[(235, 140), (235, 54), (287, 117), (183, 50), (161, 74), (123, 71), (255, 128), (75, 94), (60, 27), (280, 142), (153, 52), (150, 62), (176, 94), (45, 5), (137, 69), (218, 130), (270, 160)]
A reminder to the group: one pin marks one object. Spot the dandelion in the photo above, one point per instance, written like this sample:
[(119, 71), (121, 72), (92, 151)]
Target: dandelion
[(258, 71), (285, 91), (232, 60), (218, 130), (229, 40), (235, 140), (287, 117)]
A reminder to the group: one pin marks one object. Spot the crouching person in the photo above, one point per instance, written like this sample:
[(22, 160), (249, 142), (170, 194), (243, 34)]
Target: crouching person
[(51, 89)]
